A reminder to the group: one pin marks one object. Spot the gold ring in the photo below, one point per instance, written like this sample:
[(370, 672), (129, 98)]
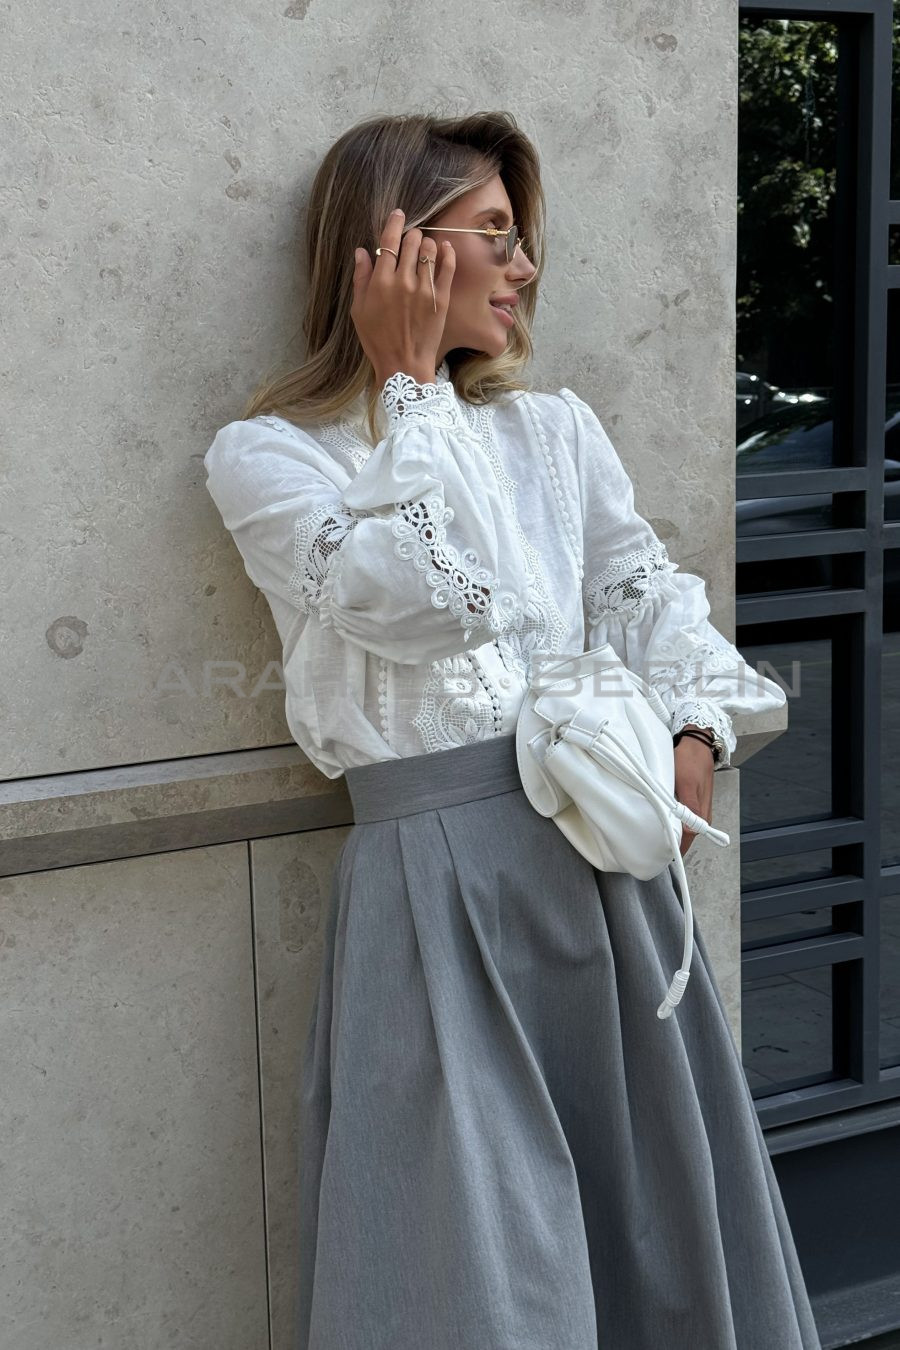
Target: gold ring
[(430, 262), (379, 251)]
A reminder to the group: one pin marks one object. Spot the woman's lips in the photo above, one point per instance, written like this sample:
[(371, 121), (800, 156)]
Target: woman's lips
[(504, 315)]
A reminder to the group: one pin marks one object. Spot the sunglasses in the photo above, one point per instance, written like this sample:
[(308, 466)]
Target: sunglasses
[(511, 235)]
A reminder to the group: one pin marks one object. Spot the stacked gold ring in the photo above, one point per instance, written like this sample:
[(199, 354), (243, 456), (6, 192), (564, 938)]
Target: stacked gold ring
[(422, 258)]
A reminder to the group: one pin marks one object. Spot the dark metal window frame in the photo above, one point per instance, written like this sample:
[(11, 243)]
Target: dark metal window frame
[(858, 539)]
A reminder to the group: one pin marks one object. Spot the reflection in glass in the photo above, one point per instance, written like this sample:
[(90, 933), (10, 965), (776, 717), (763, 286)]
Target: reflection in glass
[(787, 181), (785, 927), (892, 411), (895, 117), (889, 1001), (890, 713), (786, 1030), (812, 866), (789, 780)]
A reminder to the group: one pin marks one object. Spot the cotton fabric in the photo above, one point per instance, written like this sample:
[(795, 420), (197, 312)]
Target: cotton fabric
[(502, 1148), (410, 581)]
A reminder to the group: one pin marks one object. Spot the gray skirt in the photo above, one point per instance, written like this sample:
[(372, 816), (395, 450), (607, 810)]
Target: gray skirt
[(502, 1146)]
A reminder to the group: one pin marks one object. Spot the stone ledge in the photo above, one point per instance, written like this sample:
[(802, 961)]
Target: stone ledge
[(756, 730), (62, 820), (92, 816)]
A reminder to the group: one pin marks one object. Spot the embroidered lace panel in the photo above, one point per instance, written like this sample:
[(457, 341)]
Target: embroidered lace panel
[(681, 664), (627, 580), (317, 537), (459, 704), (458, 580), (341, 436)]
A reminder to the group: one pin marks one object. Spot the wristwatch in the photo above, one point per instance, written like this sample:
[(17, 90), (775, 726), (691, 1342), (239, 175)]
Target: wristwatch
[(713, 740)]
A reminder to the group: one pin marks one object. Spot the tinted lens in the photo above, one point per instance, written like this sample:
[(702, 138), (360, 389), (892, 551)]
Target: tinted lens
[(511, 242)]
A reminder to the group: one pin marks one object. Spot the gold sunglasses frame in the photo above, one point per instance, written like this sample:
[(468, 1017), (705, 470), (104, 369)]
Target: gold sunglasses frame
[(492, 230)]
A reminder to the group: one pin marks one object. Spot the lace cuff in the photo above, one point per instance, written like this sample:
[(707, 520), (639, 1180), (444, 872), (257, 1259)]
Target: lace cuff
[(406, 400), (705, 712)]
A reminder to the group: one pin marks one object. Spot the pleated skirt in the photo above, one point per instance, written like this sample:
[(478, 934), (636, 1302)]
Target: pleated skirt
[(502, 1147)]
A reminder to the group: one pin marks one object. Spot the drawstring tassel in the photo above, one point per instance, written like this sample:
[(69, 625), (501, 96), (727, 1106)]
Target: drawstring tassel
[(619, 759)]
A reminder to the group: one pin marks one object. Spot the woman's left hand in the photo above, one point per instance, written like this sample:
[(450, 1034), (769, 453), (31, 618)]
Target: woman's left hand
[(694, 772)]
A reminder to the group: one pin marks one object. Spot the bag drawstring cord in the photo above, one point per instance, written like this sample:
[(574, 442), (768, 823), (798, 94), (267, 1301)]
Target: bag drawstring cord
[(667, 806)]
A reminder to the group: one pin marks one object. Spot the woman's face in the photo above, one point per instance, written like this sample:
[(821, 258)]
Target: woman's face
[(482, 272)]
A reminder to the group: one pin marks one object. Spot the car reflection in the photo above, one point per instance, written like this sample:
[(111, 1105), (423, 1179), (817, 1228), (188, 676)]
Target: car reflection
[(797, 437)]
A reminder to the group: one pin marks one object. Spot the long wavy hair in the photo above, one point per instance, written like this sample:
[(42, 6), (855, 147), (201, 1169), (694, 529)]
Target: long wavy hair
[(420, 163)]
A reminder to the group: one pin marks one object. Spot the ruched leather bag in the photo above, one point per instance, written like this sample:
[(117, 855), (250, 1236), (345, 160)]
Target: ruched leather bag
[(595, 754)]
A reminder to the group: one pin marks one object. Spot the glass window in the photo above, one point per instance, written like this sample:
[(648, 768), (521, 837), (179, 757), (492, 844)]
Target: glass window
[(794, 867), (789, 780), (785, 927), (892, 411), (786, 1036), (895, 118), (889, 1039), (890, 712), (787, 180)]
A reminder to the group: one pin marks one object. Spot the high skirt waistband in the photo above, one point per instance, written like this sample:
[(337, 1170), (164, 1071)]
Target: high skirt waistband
[(401, 787)]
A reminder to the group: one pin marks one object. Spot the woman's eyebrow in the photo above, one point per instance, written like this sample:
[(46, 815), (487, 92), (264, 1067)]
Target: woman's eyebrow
[(493, 211)]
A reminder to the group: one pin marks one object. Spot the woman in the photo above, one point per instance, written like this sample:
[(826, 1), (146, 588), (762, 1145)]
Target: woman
[(502, 1147)]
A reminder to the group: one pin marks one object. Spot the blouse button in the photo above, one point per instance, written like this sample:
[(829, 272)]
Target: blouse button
[(505, 681)]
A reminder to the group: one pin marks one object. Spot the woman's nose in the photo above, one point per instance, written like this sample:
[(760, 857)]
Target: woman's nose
[(521, 269)]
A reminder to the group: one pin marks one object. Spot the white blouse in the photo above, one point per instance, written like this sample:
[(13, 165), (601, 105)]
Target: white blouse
[(410, 582)]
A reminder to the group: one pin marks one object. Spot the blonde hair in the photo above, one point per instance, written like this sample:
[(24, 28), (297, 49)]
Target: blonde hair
[(420, 163)]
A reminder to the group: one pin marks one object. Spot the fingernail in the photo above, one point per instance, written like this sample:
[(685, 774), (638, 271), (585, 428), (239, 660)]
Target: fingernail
[(397, 212)]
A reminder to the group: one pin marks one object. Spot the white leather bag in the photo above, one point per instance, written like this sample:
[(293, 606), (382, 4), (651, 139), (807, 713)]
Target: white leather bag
[(595, 754)]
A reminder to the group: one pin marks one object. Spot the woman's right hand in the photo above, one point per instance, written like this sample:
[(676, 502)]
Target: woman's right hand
[(393, 309)]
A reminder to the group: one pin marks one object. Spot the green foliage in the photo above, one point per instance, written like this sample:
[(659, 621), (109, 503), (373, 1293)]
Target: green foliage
[(787, 180), (786, 176)]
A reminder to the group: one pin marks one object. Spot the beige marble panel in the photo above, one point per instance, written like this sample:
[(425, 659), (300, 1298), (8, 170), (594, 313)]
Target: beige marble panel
[(133, 1194), (64, 819), (160, 165), (292, 877)]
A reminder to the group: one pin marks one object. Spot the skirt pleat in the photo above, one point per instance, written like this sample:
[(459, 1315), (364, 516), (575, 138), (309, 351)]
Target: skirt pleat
[(502, 1146)]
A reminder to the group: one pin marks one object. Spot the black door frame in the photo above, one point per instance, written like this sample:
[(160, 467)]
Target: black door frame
[(861, 1093)]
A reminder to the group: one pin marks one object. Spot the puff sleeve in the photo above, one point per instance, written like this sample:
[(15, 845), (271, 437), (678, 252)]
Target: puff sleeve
[(413, 559), (655, 617)]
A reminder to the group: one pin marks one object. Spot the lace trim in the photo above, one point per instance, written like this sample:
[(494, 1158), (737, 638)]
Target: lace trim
[(276, 423), (458, 705), (627, 580), (681, 667), (704, 712), (383, 698), (317, 537), (543, 624), (406, 400), (559, 494), (341, 436), (458, 581)]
